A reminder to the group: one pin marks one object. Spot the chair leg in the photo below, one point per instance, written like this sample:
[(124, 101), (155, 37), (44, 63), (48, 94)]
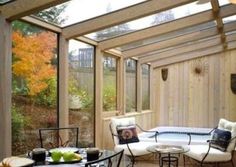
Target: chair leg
[(184, 159), (232, 162)]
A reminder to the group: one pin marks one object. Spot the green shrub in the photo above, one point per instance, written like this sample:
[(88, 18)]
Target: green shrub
[(109, 98), (48, 97), (18, 123)]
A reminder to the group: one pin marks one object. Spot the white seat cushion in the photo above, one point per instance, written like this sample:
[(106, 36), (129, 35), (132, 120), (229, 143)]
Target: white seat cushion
[(138, 148), (198, 152), (229, 126)]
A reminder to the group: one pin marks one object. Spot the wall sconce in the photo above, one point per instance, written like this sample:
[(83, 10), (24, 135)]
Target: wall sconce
[(164, 73), (233, 83)]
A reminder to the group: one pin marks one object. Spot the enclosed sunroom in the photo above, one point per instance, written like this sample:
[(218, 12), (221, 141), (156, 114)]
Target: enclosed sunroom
[(80, 63)]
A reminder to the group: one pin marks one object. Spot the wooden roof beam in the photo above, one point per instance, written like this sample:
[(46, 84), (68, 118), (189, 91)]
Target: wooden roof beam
[(41, 23), (17, 9), (185, 48), (185, 22), (121, 16), (193, 55), (219, 21), (188, 37), (180, 49), (143, 50)]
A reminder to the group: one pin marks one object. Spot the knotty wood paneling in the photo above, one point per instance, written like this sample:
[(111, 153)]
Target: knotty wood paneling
[(190, 99)]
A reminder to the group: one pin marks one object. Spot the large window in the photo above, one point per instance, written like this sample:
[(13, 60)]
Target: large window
[(34, 84), (109, 83), (81, 90), (145, 87), (131, 85)]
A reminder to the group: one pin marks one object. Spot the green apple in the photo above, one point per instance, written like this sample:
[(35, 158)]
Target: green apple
[(56, 156), (68, 156)]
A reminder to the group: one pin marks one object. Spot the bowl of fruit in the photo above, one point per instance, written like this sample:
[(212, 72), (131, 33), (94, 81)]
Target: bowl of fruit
[(58, 156)]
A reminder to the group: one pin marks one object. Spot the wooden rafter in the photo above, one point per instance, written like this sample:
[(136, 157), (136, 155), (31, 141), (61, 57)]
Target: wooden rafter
[(143, 50), (54, 28), (41, 23), (121, 16), (181, 49), (193, 55), (183, 38), (185, 22), (20, 8), (219, 21)]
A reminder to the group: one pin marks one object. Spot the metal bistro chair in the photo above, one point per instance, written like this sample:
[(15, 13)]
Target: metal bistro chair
[(220, 149), (58, 137), (109, 161)]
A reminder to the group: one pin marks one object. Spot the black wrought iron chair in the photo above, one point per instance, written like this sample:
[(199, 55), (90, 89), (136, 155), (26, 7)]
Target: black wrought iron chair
[(59, 137), (219, 149), (131, 149), (109, 161)]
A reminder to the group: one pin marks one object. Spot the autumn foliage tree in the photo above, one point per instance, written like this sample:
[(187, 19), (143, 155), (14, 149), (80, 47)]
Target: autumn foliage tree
[(33, 54)]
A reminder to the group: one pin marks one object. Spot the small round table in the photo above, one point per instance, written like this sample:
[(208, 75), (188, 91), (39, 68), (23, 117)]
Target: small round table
[(169, 150)]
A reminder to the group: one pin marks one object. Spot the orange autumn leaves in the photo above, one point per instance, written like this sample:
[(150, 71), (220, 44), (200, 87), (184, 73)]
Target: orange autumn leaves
[(33, 54)]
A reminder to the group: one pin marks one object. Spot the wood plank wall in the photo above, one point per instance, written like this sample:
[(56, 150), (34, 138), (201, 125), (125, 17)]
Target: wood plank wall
[(199, 100)]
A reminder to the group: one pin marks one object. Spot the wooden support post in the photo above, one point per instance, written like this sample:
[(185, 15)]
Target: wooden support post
[(98, 96), (5, 87), (152, 92), (63, 82), (120, 85), (139, 87)]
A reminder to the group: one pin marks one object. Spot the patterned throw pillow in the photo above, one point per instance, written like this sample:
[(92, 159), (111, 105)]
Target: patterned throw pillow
[(221, 139), (127, 134)]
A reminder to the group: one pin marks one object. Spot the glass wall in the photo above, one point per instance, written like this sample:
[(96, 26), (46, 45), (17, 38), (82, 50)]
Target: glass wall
[(131, 85), (34, 84), (145, 87), (81, 90), (109, 83)]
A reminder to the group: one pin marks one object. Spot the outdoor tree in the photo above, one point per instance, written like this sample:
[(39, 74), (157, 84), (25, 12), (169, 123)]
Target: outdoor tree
[(163, 17), (33, 54), (53, 14), (112, 31)]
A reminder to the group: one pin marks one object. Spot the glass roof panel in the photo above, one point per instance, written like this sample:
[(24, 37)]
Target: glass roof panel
[(79, 10), (2, 2), (229, 19), (156, 19), (223, 2), (168, 35)]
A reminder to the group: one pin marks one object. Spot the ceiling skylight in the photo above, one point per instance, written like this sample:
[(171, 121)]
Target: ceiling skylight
[(145, 22), (229, 19), (2, 2), (80, 10)]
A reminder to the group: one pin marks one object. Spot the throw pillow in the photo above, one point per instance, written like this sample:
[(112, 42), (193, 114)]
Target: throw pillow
[(221, 139), (127, 134)]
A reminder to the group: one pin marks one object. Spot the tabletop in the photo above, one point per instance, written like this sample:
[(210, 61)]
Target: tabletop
[(80, 163), (169, 149)]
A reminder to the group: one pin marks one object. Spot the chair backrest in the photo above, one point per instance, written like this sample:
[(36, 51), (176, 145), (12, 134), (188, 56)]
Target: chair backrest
[(59, 137), (229, 126), (109, 161), (119, 122)]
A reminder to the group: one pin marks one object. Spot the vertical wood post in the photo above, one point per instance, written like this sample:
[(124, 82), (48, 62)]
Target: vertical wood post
[(120, 85), (5, 87), (139, 87), (98, 96), (63, 82)]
